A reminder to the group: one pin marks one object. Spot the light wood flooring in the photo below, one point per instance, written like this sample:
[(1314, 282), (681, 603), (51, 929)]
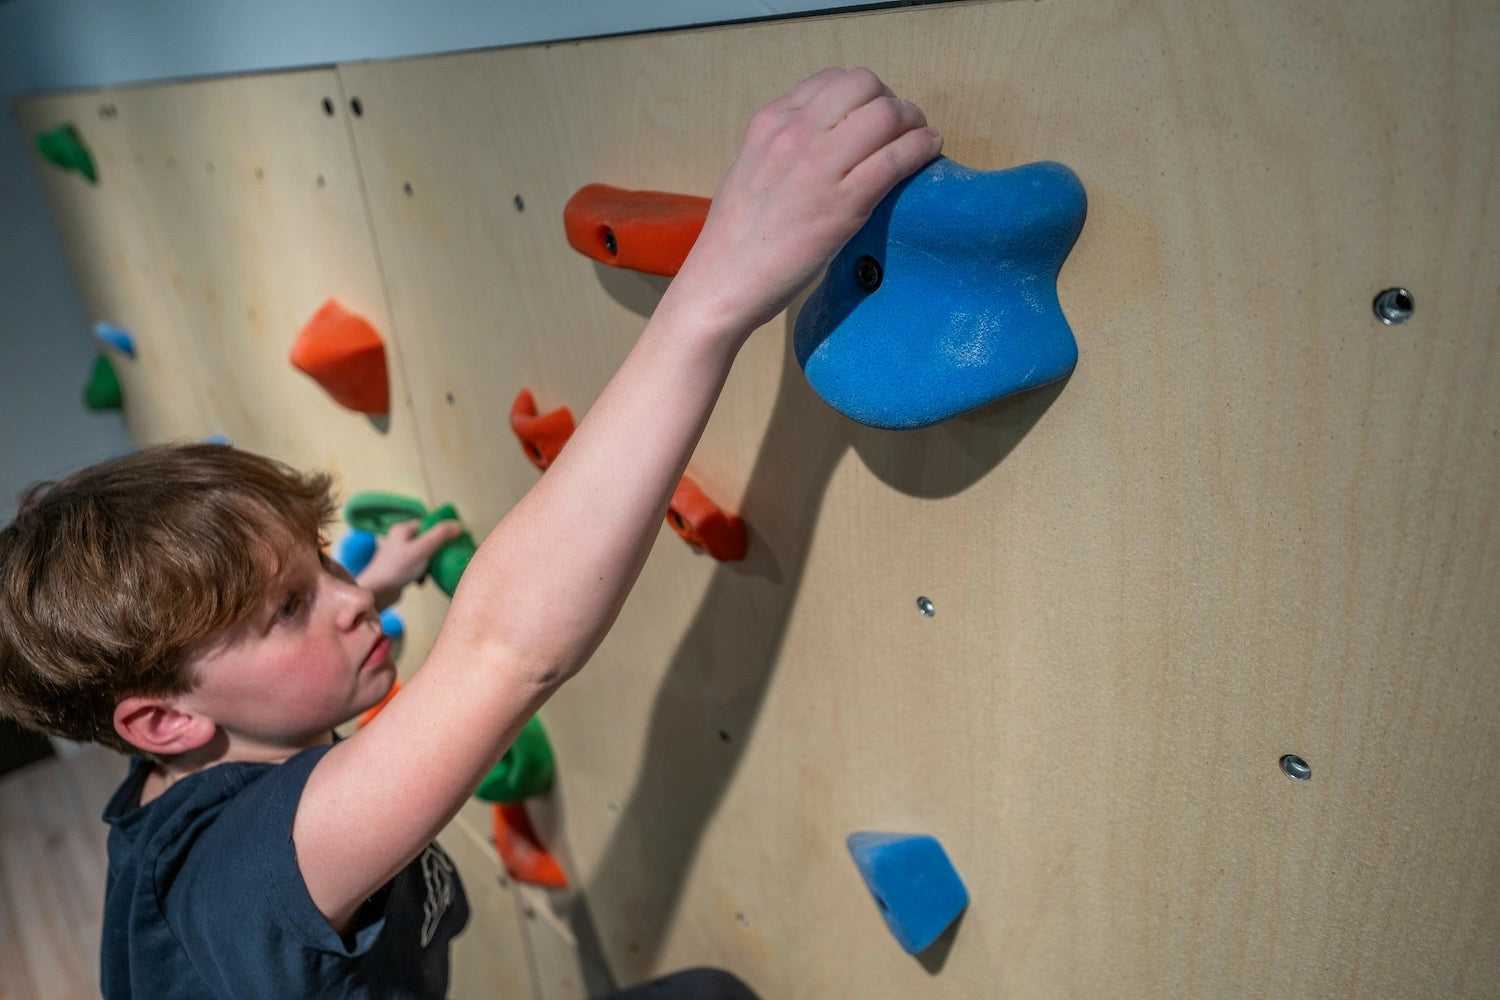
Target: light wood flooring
[(52, 868)]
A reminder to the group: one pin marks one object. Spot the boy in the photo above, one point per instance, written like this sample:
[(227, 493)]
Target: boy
[(251, 855)]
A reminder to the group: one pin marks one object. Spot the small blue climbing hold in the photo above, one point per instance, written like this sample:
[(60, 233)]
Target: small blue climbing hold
[(218, 439), (391, 623), (946, 299), (355, 550), (913, 883), (117, 337)]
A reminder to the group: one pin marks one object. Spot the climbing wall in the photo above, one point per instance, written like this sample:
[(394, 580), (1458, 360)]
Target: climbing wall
[(1255, 522)]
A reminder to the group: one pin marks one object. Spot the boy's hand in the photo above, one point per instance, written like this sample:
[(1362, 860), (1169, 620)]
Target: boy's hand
[(402, 558), (811, 168)]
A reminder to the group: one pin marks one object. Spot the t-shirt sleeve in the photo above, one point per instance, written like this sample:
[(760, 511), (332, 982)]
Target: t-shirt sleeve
[(236, 901)]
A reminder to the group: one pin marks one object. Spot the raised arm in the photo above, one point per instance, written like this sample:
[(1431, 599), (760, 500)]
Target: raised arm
[(547, 583)]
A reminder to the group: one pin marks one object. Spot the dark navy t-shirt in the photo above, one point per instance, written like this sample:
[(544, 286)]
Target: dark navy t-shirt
[(205, 899)]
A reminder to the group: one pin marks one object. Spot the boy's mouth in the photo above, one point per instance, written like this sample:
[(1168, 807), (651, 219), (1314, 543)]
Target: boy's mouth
[(378, 654)]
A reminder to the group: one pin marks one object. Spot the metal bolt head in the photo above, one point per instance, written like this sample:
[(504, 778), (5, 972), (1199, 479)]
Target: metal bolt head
[(610, 243), (1394, 306), (925, 606), (1296, 767), (867, 273)]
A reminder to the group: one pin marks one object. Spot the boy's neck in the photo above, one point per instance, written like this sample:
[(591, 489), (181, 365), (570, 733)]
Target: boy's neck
[(222, 749)]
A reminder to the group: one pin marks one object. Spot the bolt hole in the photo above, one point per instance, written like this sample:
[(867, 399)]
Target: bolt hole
[(723, 736), (356, 106), (867, 273), (610, 243), (520, 205), (321, 181), (328, 106), (449, 398), (1394, 306), (533, 451), (1297, 768), (407, 188), (926, 607), (259, 174), (677, 519)]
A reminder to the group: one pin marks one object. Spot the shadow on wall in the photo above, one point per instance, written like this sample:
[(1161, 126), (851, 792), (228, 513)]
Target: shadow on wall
[(720, 673)]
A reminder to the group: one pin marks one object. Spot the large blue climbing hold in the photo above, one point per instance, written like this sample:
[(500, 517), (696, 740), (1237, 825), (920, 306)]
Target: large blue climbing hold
[(946, 299), (117, 337), (913, 883)]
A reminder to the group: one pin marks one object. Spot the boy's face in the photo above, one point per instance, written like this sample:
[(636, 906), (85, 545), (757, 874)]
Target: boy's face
[(313, 656)]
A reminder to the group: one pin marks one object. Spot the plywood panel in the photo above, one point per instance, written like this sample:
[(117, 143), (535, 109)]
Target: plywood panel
[(114, 250), (229, 210), (1254, 522)]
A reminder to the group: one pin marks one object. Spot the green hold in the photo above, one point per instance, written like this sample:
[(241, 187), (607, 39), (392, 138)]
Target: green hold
[(103, 389), (377, 512), (64, 147), (525, 770), (452, 559)]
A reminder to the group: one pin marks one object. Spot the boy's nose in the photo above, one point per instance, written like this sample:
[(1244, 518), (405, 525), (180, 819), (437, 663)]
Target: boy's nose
[(355, 605)]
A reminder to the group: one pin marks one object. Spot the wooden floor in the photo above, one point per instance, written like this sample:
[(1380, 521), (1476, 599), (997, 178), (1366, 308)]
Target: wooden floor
[(52, 868)]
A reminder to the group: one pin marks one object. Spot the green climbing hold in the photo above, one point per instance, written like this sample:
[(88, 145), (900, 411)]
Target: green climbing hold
[(452, 559), (64, 147), (103, 389), (377, 512), (524, 771)]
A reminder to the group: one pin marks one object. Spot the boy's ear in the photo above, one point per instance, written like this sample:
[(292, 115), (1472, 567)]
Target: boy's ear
[(158, 726)]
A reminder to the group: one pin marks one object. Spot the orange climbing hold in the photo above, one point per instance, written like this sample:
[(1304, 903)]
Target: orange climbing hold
[(521, 850), (704, 525), (649, 231), (542, 437), (374, 710), (345, 355)]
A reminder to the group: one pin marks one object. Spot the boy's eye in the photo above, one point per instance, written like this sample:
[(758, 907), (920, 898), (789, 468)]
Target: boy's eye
[(289, 608)]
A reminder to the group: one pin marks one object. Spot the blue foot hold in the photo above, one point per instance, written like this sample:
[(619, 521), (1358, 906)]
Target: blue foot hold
[(947, 299), (913, 883), (355, 550), (218, 439), (391, 623), (116, 337)]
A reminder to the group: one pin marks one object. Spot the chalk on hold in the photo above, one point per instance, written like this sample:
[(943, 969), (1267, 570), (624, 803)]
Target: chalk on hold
[(117, 337), (649, 231), (526, 769), (355, 550), (704, 525), (913, 883), (102, 391), (946, 299), (63, 147), (344, 354), (392, 624), (542, 436), (521, 849)]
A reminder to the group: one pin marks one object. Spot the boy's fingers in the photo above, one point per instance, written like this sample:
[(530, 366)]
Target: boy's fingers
[(893, 162), (799, 95), (402, 530), (841, 95), (872, 126)]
